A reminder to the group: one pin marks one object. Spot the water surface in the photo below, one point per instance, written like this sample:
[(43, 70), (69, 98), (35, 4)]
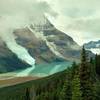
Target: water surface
[(44, 69)]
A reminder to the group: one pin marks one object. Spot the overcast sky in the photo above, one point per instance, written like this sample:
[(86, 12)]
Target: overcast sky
[(78, 18)]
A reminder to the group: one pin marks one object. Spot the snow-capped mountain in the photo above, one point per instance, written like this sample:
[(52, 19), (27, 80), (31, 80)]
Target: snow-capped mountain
[(47, 44), (93, 46), (43, 42)]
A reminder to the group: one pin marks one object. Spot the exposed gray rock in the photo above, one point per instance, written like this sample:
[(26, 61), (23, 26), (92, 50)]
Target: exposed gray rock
[(8, 60), (47, 44)]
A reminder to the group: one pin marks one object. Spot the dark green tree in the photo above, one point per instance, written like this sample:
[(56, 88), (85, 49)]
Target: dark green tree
[(85, 77), (76, 91), (93, 70), (66, 92), (27, 95), (97, 64), (74, 68)]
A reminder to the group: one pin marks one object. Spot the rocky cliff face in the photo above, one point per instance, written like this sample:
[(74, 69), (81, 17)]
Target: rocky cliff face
[(8, 60), (44, 42), (47, 44), (93, 46)]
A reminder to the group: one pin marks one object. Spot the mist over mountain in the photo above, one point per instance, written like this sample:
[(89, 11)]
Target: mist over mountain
[(47, 44), (93, 46), (44, 42), (31, 37), (49, 50), (8, 60)]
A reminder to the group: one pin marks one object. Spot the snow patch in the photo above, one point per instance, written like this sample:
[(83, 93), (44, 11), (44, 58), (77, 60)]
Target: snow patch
[(97, 45), (51, 45), (25, 72), (53, 48), (95, 50)]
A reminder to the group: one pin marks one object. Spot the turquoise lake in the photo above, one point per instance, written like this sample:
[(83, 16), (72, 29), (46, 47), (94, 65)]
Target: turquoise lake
[(44, 69)]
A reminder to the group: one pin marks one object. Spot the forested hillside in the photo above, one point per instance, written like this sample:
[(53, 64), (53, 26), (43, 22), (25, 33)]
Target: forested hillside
[(79, 82)]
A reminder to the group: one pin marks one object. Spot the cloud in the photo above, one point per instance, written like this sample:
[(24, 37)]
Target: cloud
[(78, 18), (25, 10), (19, 14)]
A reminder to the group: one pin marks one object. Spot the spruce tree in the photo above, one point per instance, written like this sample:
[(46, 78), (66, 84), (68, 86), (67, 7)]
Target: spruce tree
[(97, 64), (76, 91), (93, 69), (27, 96), (74, 68), (66, 92), (85, 77)]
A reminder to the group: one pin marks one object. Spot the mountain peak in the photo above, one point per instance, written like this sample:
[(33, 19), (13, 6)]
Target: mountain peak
[(43, 25)]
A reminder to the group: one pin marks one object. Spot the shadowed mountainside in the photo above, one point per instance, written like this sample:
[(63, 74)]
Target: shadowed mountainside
[(8, 60), (47, 44)]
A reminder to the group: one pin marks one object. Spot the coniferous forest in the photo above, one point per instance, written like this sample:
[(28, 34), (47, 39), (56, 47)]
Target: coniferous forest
[(79, 82), (49, 49)]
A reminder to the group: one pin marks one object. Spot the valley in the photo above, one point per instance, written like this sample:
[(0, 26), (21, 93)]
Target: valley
[(21, 76)]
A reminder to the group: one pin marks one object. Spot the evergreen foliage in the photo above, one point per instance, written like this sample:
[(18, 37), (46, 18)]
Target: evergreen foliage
[(97, 64), (27, 96), (79, 82), (76, 91), (85, 77), (66, 92)]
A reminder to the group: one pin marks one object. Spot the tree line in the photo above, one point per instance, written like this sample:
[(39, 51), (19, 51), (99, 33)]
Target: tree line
[(81, 82)]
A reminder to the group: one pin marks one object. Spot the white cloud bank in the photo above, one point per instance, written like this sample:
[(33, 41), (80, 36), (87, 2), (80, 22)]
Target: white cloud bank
[(19, 14), (78, 18)]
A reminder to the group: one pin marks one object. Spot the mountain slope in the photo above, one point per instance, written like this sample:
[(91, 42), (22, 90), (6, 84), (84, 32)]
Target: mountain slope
[(93, 46), (8, 60), (44, 42), (47, 44)]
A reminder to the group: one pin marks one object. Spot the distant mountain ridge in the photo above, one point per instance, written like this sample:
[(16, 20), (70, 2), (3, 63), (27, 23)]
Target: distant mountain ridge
[(92, 44)]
